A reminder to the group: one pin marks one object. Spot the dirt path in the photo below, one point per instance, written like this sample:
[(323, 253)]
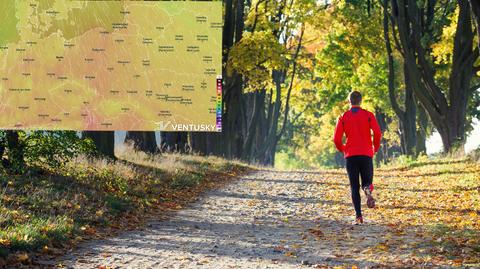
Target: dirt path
[(265, 219)]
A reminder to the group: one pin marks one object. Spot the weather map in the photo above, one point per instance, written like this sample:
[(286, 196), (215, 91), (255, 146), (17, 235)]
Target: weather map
[(111, 65)]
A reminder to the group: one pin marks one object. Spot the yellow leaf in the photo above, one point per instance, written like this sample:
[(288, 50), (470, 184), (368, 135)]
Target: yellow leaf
[(290, 254), (382, 246), (22, 257)]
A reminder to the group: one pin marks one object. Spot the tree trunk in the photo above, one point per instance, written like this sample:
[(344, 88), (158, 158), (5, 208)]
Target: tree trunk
[(142, 141), (174, 142), (382, 156), (409, 122), (268, 149), (258, 105), (448, 117), (460, 78), (261, 130), (406, 117), (422, 130), (104, 142), (229, 142), (198, 142), (265, 153), (475, 4), (16, 148)]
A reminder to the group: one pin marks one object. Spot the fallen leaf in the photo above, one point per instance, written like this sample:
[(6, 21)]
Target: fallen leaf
[(22, 257), (316, 232), (290, 254)]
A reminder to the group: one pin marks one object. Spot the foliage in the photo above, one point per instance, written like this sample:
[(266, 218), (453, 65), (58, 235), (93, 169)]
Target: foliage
[(288, 161), (54, 148), (349, 55), (255, 56), (44, 148)]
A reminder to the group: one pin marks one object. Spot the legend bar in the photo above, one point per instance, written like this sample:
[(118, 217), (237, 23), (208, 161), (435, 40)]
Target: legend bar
[(219, 103)]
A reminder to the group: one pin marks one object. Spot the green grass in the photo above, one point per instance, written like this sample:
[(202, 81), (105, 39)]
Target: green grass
[(51, 207), (285, 161)]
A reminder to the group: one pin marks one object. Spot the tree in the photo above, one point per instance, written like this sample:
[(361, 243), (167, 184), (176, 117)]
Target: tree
[(174, 141), (415, 28), (227, 142), (408, 115), (16, 147), (422, 130), (262, 48), (104, 142), (142, 141), (269, 57)]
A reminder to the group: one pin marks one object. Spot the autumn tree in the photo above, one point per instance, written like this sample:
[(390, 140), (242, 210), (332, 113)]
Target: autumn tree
[(416, 27), (407, 115)]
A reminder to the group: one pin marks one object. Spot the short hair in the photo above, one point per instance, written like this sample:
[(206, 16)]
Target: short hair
[(355, 98)]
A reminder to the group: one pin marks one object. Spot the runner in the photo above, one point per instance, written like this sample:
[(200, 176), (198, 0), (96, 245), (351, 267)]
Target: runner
[(358, 151)]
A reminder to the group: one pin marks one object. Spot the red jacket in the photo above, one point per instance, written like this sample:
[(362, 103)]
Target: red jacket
[(356, 124)]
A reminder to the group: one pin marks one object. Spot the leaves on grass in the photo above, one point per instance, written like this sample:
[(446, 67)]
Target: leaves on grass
[(88, 198), (426, 212)]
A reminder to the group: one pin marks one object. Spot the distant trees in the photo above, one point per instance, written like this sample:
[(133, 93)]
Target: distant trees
[(262, 53), (428, 75)]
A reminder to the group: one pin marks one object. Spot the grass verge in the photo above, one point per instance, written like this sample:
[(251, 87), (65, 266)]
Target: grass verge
[(430, 207), (46, 211)]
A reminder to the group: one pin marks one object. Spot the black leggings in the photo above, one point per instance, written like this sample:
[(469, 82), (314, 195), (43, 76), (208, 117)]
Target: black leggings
[(356, 166)]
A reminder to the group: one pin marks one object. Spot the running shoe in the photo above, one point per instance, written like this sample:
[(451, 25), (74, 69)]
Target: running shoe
[(358, 221), (368, 192)]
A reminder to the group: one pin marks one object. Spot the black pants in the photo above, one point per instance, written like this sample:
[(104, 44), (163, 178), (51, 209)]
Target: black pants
[(356, 166)]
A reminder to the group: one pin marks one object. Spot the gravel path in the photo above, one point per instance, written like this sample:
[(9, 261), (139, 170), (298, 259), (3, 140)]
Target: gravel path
[(265, 219)]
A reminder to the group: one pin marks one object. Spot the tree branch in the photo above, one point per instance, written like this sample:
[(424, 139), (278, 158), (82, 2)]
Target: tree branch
[(391, 70), (294, 69)]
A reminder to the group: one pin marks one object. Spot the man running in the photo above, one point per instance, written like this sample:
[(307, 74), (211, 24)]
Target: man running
[(358, 151)]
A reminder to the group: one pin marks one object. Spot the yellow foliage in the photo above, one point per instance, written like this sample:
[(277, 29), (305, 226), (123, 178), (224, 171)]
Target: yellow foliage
[(442, 50), (255, 56)]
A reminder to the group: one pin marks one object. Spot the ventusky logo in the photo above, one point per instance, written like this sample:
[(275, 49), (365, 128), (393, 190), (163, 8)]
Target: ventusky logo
[(162, 125)]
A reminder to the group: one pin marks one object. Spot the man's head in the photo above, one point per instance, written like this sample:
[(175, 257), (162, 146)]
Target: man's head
[(355, 98)]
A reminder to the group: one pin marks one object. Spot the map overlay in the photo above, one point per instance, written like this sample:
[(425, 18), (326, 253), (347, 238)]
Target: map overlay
[(111, 65)]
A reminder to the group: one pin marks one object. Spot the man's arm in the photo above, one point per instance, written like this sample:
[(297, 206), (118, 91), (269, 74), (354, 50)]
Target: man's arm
[(377, 133), (337, 137)]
